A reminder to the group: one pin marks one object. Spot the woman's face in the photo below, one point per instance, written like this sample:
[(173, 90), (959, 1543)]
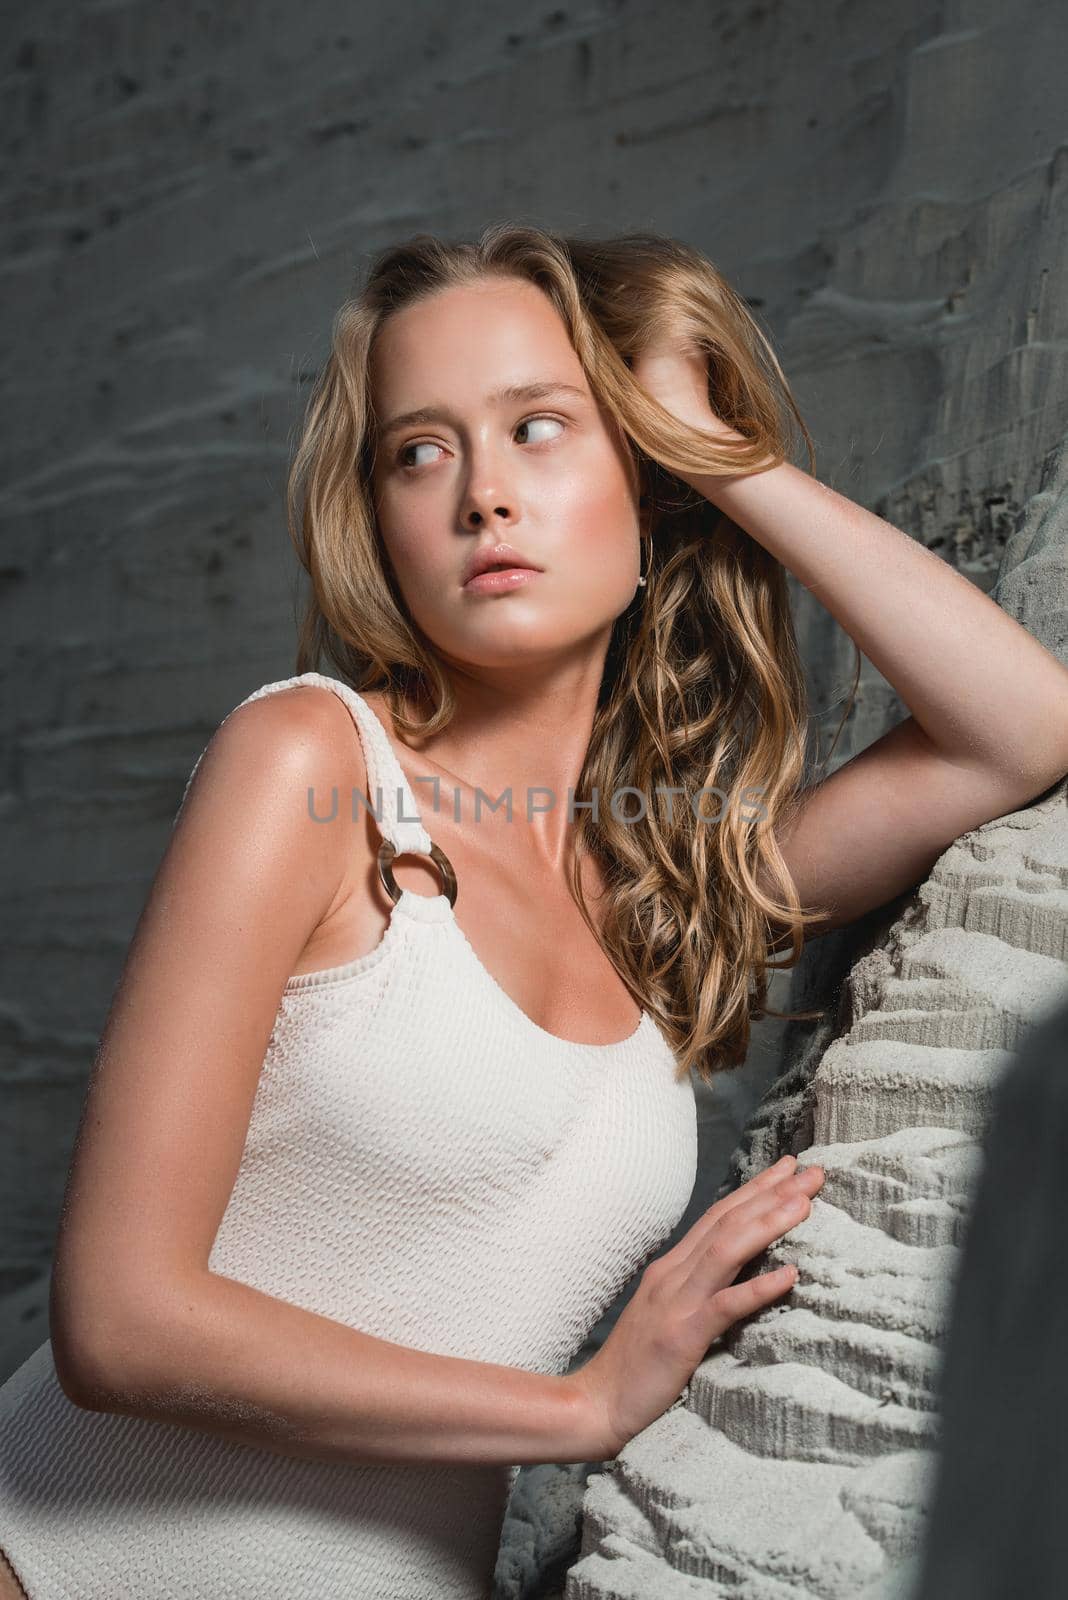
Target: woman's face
[(548, 474)]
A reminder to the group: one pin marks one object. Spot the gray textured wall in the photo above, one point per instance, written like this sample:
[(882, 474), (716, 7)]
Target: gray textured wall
[(189, 192)]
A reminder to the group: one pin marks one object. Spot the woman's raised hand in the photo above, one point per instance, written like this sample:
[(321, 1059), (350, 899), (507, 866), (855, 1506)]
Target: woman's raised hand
[(687, 1297)]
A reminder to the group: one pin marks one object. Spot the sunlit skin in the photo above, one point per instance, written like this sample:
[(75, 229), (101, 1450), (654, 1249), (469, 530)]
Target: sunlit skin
[(551, 477)]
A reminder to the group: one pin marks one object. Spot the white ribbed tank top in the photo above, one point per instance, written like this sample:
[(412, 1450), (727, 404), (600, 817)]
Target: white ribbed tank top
[(425, 1163)]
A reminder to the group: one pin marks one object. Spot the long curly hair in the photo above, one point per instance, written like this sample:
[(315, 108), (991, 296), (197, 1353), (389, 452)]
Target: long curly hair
[(703, 686)]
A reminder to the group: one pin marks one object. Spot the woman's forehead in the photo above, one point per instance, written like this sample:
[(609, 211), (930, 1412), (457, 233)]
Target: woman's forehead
[(468, 335)]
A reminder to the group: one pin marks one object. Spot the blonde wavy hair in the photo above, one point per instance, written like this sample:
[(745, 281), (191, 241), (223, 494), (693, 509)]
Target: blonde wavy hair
[(702, 687)]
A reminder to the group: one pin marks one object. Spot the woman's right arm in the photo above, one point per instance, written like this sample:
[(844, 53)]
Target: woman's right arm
[(141, 1326), (139, 1323)]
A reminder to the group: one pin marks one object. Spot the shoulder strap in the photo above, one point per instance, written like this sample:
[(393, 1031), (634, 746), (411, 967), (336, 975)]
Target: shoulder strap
[(389, 796), (388, 790)]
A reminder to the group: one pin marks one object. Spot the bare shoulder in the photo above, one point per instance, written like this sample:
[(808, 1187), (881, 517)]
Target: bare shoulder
[(289, 751), (305, 726)]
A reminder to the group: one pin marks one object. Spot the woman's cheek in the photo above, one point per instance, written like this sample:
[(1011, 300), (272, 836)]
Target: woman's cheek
[(610, 540), (410, 552)]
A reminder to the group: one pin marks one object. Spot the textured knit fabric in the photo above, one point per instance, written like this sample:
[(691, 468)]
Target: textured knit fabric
[(425, 1163)]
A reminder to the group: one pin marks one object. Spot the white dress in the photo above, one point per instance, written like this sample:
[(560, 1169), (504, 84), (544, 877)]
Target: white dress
[(424, 1163)]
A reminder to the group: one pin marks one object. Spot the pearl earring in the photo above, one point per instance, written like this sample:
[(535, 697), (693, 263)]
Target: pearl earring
[(641, 575), (641, 578)]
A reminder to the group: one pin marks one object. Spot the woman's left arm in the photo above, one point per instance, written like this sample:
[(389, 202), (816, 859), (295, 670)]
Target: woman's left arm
[(989, 725)]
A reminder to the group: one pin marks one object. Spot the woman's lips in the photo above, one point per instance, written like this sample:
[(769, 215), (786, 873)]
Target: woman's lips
[(500, 579)]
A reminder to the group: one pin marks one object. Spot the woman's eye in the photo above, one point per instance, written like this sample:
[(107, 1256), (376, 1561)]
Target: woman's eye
[(426, 444), (531, 421), (405, 450)]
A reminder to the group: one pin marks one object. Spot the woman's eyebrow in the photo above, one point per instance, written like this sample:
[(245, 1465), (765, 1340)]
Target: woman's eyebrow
[(507, 392)]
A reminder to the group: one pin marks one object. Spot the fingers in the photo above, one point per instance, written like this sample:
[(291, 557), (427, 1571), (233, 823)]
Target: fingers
[(758, 1207), (740, 1299), (751, 1230), (763, 1180)]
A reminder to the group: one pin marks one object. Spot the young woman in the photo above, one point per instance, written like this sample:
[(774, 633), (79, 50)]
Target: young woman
[(394, 1098)]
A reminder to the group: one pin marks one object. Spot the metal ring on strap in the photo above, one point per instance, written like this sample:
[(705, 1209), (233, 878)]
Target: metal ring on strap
[(386, 852)]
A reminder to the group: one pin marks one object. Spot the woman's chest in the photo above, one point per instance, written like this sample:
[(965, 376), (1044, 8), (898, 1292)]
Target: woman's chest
[(520, 921)]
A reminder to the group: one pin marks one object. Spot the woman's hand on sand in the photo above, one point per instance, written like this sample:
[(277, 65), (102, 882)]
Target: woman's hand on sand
[(687, 1297)]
